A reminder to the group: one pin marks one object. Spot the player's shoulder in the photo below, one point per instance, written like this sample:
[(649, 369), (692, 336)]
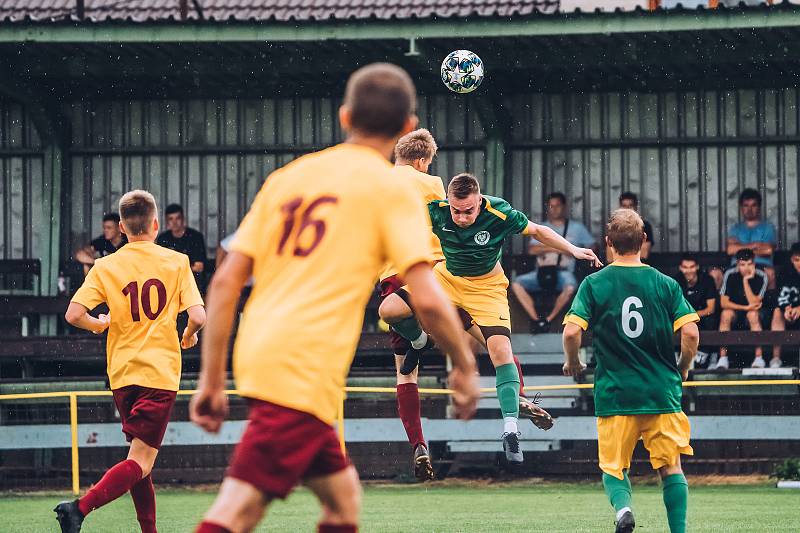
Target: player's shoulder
[(497, 206)]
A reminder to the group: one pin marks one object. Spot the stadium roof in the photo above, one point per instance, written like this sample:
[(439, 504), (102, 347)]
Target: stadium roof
[(268, 10)]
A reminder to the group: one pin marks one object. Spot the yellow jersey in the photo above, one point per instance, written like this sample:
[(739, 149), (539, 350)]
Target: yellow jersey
[(428, 189), (319, 231), (145, 286)]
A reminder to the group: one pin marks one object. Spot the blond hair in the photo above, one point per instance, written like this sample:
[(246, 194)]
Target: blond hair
[(137, 209), (419, 144), (625, 231)]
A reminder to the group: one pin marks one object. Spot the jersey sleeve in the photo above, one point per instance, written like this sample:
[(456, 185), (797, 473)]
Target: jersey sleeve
[(434, 212), (682, 311), (91, 293), (404, 229), (189, 293), (249, 236), (516, 221), (580, 313)]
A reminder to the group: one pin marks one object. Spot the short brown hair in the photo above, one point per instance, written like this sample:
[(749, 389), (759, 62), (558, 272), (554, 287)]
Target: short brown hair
[(380, 97), (463, 186), (625, 231), (419, 144), (137, 209)]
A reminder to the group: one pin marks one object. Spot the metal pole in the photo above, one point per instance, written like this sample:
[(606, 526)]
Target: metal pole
[(184, 8), (73, 429), (80, 9)]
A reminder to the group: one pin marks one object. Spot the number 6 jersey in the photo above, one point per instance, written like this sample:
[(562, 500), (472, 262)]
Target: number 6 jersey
[(633, 311), (319, 232), (145, 286)]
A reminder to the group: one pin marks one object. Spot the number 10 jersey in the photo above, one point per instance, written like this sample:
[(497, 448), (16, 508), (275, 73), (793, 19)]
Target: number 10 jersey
[(145, 286), (633, 312)]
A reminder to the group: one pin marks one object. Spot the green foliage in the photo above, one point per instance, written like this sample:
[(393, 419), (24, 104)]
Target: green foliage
[(789, 470)]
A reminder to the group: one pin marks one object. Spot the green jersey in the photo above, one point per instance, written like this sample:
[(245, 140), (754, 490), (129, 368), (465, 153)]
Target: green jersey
[(474, 251), (633, 312)]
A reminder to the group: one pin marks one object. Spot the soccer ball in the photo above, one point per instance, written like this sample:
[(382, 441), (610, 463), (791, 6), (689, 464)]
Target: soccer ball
[(462, 71)]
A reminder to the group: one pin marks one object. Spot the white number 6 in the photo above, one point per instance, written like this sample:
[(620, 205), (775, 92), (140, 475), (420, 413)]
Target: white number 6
[(628, 315)]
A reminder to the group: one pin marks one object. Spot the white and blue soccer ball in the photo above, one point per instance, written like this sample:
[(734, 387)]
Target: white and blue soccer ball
[(462, 71)]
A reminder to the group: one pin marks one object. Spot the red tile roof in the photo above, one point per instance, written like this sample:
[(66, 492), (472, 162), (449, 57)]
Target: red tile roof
[(277, 10)]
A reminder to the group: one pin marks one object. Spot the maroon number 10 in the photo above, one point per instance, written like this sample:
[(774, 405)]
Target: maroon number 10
[(132, 290)]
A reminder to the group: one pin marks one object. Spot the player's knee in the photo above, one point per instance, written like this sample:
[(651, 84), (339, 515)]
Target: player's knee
[(393, 309), (726, 315), (753, 318), (346, 507)]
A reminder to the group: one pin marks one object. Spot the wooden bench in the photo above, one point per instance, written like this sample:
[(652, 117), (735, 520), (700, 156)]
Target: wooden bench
[(20, 276)]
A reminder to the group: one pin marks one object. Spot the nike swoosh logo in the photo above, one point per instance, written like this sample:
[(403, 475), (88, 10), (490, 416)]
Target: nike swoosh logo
[(450, 230)]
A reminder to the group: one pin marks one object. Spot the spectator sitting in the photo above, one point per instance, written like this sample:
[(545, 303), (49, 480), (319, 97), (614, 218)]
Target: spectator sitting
[(183, 239), (109, 242), (752, 233), (629, 200), (554, 271), (699, 290), (741, 297), (787, 314)]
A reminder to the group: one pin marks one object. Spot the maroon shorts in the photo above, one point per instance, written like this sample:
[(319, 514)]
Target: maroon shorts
[(145, 412), (281, 447), (390, 286)]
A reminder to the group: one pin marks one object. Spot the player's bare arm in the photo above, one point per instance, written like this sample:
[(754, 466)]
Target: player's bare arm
[(753, 299), (210, 405), (197, 319), (78, 316), (551, 239), (690, 340), (572, 338), (440, 319)]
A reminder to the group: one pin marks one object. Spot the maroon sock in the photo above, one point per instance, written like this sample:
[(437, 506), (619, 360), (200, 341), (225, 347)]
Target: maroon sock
[(144, 499), (208, 527), (117, 481), (521, 379), (340, 528), (408, 407)]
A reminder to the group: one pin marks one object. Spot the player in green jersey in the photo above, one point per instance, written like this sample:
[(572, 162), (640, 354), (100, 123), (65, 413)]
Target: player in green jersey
[(472, 229), (633, 311)]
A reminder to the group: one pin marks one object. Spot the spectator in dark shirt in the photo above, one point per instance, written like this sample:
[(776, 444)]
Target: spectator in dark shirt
[(183, 239), (699, 289), (629, 200), (787, 314), (741, 297), (111, 240)]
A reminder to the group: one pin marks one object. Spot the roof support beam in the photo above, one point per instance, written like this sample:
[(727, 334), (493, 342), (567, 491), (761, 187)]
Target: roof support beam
[(564, 25)]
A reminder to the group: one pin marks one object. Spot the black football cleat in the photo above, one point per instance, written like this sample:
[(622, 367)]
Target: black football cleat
[(512, 449), (412, 358), (625, 524), (69, 516), (530, 410), (423, 469)]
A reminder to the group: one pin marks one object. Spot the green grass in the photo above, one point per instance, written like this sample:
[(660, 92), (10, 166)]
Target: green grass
[(450, 507)]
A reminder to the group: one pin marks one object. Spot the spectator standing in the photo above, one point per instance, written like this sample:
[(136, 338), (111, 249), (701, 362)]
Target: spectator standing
[(787, 314), (741, 298), (699, 290), (629, 200), (554, 271), (111, 240), (183, 239)]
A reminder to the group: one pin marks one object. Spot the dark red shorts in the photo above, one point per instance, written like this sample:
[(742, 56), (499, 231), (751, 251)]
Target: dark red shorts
[(281, 447), (390, 286), (145, 412)]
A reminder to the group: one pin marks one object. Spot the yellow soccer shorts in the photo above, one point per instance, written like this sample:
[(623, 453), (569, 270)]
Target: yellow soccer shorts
[(665, 436), (485, 299)]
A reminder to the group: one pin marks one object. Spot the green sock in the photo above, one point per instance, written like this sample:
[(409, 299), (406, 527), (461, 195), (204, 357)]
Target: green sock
[(676, 500), (408, 328), (507, 384), (618, 490)]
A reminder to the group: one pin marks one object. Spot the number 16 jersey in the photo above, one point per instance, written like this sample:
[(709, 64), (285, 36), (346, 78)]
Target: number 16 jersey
[(145, 286), (318, 232), (633, 311)]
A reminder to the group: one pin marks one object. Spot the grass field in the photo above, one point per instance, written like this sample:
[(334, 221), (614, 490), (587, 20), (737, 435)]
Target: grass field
[(450, 507)]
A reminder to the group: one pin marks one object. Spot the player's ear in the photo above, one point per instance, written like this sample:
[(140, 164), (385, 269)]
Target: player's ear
[(345, 118), (155, 224), (122, 227), (608, 242)]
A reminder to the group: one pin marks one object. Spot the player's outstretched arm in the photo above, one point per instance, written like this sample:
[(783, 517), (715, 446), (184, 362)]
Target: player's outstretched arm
[(210, 405), (551, 239), (690, 340), (440, 320), (197, 319), (78, 316), (572, 337)]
